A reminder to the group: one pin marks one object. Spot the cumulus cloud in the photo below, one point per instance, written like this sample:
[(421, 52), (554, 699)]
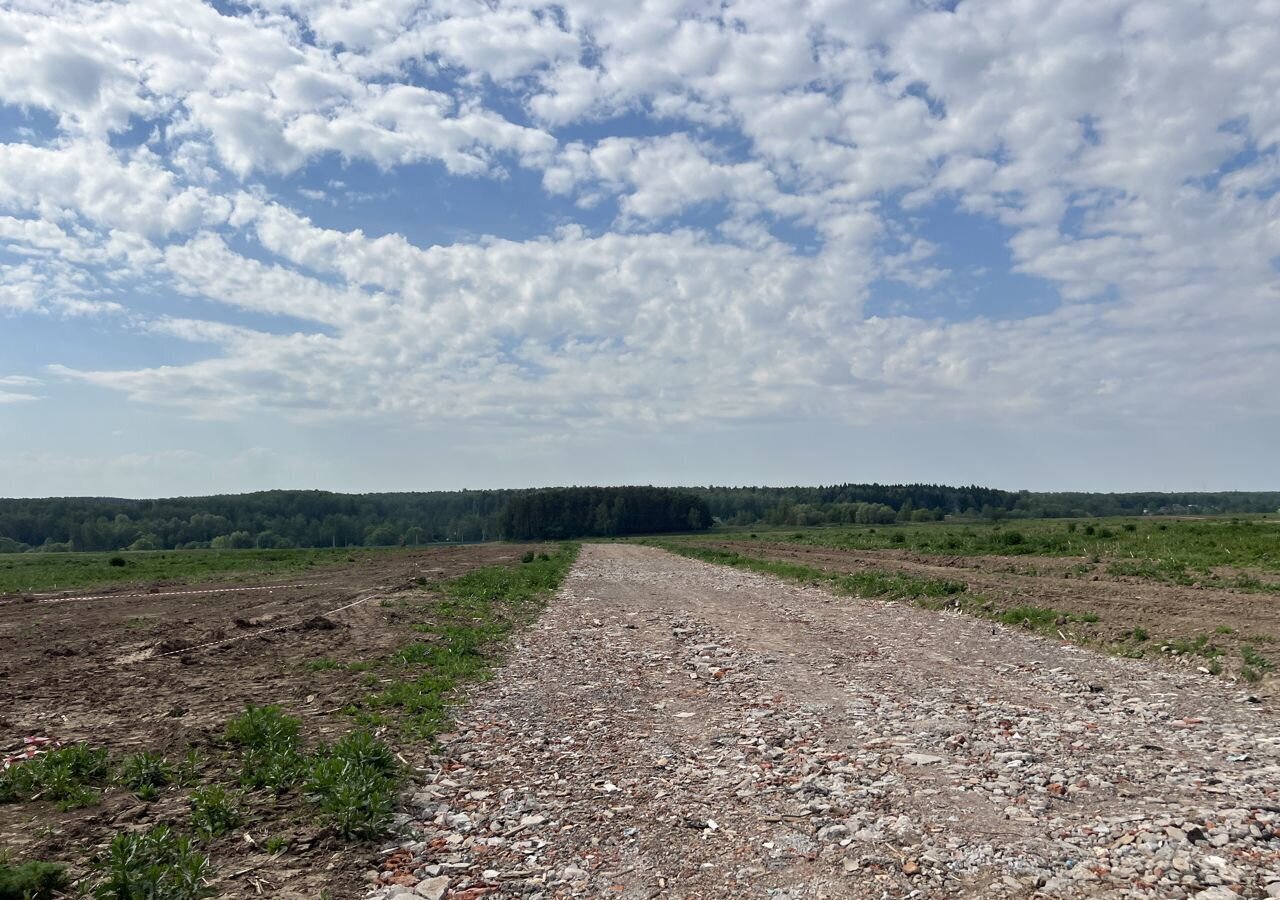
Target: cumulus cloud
[(748, 175)]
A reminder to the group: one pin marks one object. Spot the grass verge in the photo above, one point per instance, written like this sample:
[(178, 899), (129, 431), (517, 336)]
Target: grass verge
[(461, 629), (884, 585)]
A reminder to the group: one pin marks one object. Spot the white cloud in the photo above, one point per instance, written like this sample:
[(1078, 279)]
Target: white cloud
[(1128, 149)]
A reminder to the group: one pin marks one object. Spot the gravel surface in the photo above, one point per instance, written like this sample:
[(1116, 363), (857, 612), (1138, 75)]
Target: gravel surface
[(674, 729)]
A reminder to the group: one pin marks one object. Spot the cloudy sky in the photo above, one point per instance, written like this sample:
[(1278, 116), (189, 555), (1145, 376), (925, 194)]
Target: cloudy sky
[(394, 245)]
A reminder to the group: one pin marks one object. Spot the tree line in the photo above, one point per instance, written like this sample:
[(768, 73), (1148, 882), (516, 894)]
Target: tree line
[(559, 513), (282, 519)]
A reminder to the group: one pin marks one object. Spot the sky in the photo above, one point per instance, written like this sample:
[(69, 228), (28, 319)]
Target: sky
[(370, 246)]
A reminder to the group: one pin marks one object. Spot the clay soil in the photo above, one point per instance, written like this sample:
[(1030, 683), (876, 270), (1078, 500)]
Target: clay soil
[(163, 667), (1166, 612)]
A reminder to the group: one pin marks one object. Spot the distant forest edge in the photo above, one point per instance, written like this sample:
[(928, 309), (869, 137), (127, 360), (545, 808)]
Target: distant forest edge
[(282, 519)]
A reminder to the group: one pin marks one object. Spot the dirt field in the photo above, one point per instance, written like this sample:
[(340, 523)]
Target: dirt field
[(1166, 612), (672, 729), (162, 668)]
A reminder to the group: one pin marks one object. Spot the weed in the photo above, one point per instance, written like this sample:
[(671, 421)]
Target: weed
[(145, 773), (890, 585), (321, 665), (1037, 618), (1254, 659), (158, 864), (276, 845), (188, 771), (30, 880), (263, 728), (268, 743), (1249, 675), (529, 556), (1139, 634), (214, 811), (355, 784), (1224, 629), (63, 776)]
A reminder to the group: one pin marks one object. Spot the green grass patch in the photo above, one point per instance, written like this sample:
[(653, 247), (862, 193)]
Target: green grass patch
[(1255, 660), (887, 585), (66, 776), (474, 612), (20, 572), (1168, 550)]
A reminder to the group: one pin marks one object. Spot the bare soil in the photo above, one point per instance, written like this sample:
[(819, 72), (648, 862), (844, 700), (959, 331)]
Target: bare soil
[(1166, 612), (163, 667)]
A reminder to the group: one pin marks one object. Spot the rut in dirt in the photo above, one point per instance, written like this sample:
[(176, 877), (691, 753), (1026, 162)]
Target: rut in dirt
[(675, 729)]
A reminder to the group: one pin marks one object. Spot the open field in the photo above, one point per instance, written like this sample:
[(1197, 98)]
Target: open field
[(51, 572), (1094, 600), (156, 679), (1238, 552)]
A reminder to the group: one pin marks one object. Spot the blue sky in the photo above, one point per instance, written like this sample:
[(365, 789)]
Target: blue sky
[(393, 245)]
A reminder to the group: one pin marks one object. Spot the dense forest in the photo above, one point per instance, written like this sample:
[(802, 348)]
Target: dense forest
[(274, 519), (599, 512)]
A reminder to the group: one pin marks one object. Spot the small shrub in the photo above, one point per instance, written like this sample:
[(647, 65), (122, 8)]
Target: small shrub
[(267, 739), (118, 561), (1089, 529), (897, 538), (263, 727), (158, 864), (30, 880), (214, 811), (145, 773), (63, 776), (1129, 526), (529, 556), (1012, 538), (1071, 527), (1139, 634), (356, 800)]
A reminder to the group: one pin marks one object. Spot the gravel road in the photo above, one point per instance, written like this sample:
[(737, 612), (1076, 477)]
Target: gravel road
[(674, 729)]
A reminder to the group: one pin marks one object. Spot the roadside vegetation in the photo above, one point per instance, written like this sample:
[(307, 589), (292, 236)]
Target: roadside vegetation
[(266, 772), (886, 585), (1242, 553)]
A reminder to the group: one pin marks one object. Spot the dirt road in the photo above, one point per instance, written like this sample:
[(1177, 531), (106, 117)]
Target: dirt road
[(674, 729)]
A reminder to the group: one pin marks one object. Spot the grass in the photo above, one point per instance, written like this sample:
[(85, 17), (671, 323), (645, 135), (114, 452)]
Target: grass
[(1172, 550), (20, 572), (1044, 619), (474, 612), (887, 585), (1255, 660)]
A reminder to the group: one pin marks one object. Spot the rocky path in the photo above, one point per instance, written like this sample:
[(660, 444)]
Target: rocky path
[(674, 729)]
